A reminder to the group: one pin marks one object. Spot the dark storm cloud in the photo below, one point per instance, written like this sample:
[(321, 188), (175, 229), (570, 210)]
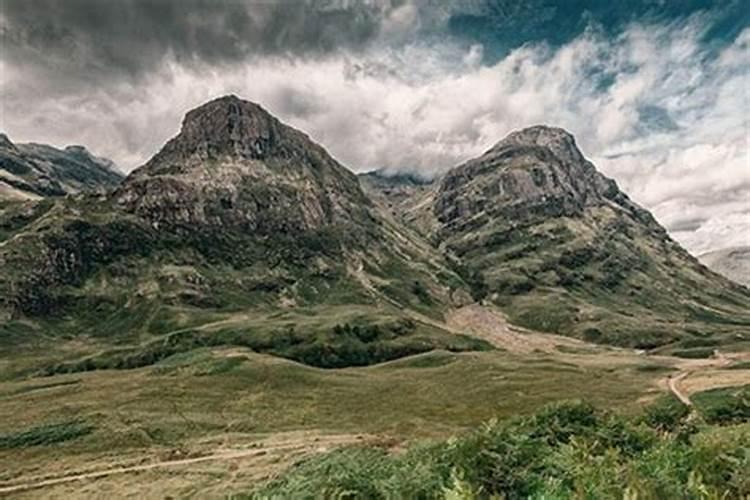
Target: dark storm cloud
[(131, 37), (654, 90)]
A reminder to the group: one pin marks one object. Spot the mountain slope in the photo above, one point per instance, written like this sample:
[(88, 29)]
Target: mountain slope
[(539, 231), (31, 171), (732, 263), (242, 230), (262, 175), (397, 194), (239, 219)]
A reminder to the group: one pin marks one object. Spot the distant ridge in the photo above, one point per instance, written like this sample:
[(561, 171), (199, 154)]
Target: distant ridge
[(31, 171)]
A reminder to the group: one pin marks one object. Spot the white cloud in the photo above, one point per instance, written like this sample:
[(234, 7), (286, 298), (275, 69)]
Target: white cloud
[(428, 108)]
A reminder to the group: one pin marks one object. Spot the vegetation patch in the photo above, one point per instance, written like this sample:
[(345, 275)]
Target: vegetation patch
[(45, 435), (729, 405), (569, 450), (697, 353), (342, 346), (37, 387)]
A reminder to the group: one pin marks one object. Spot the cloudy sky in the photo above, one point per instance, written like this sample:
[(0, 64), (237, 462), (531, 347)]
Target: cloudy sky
[(655, 91)]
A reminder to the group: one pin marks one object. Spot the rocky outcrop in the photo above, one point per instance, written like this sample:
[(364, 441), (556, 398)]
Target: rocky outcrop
[(532, 174), (235, 165)]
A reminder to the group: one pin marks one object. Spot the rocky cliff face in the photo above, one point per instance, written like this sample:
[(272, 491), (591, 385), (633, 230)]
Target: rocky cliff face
[(539, 231), (31, 171), (237, 210), (233, 164), (532, 174)]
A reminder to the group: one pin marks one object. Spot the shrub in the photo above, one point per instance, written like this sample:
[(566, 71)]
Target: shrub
[(724, 406), (666, 415), (592, 335), (45, 435), (569, 450), (421, 293)]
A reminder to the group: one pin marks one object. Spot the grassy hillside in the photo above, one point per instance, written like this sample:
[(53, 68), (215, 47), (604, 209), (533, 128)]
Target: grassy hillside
[(83, 267), (604, 279)]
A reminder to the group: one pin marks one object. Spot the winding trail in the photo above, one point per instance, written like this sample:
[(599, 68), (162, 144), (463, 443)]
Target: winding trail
[(311, 444), (673, 381), (674, 387)]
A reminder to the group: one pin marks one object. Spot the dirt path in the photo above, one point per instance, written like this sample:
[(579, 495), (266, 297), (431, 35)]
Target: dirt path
[(719, 360), (311, 444), (673, 384)]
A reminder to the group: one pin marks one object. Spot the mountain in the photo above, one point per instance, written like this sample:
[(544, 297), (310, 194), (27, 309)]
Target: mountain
[(242, 230), (235, 220), (537, 230), (234, 165), (31, 171), (732, 263)]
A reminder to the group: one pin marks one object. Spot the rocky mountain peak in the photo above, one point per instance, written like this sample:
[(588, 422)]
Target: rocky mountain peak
[(230, 126), (40, 170), (531, 174), (541, 135), (558, 141), (234, 164)]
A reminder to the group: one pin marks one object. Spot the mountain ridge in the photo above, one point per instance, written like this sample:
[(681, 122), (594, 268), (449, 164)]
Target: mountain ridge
[(34, 170), (241, 212), (213, 225)]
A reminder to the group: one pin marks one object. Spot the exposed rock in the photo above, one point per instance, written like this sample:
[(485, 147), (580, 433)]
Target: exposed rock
[(233, 164), (538, 230), (534, 173)]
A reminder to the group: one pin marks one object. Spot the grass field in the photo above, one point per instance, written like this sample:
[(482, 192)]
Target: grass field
[(247, 416), (190, 402)]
